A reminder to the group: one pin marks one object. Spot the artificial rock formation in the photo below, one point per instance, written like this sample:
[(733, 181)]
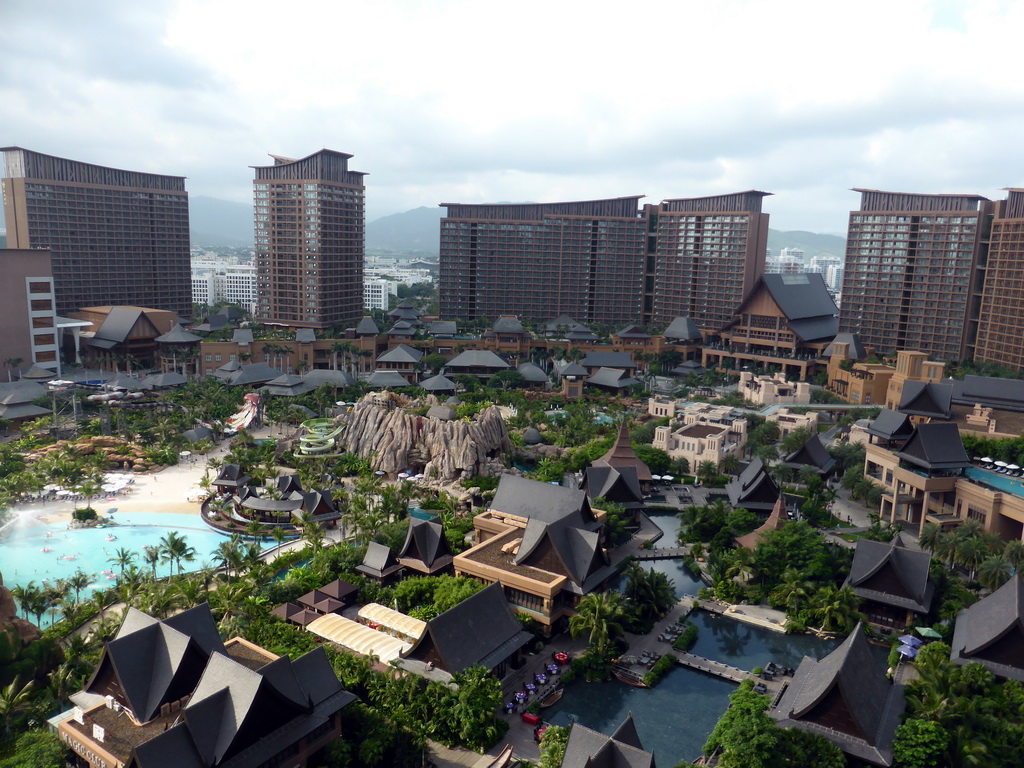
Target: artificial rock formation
[(382, 430), (10, 624)]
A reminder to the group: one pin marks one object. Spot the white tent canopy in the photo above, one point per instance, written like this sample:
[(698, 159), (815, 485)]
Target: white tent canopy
[(397, 622), (358, 638)]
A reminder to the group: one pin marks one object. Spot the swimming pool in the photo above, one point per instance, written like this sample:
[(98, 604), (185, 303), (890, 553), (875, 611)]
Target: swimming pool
[(1004, 483), (22, 545)]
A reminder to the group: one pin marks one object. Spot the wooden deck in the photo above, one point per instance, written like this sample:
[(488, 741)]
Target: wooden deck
[(716, 668), (665, 553)]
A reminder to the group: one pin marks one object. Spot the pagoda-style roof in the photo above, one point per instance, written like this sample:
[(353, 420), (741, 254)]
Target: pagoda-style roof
[(621, 485), (776, 521), (403, 353), (254, 373), (438, 383), (621, 454), (379, 562), (682, 329), (588, 748), (632, 332), (804, 300), (992, 632), (528, 499), (814, 454), (295, 614), (891, 574), (177, 335), (330, 598), (846, 698), (613, 378), (508, 324), (571, 369), (367, 327), (935, 446), (403, 328), (383, 379), (476, 358), (581, 333), (231, 476), (561, 323), (931, 399), (563, 548), (287, 385), (855, 349), (426, 549), (482, 630), (753, 489), (405, 311), (891, 425)]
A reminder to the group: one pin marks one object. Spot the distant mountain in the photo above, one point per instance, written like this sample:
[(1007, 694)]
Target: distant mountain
[(415, 231), (810, 243), (219, 222)]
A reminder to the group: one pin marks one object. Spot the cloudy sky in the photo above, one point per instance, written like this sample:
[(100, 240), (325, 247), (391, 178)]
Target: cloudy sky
[(476, 101)]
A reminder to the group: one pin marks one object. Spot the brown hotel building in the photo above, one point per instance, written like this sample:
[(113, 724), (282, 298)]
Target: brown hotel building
[(309, 241), (1001, 317), (911, 274), (604, 261), (583, 259), (115, 237), (707, 254)]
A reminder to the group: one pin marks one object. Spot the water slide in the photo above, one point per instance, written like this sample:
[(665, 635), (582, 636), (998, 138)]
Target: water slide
[(245, 416), (320, 437)]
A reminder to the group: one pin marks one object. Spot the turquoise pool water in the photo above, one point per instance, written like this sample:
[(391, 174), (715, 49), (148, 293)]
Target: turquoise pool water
[(22, 558), (1014, 485), (421, 514)]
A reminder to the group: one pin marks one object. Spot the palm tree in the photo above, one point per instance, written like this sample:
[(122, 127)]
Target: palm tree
[(14, 699), (706, 471), (945, 548), (152, 556), (931, 533), (1014, 553), (994, 571), (599, 615), (228, 554), (729, 465), (970, 553), (175, 548), (79, 581), (836, 609)]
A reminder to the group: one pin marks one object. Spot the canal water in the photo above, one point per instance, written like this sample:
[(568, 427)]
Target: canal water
[(675, 718)]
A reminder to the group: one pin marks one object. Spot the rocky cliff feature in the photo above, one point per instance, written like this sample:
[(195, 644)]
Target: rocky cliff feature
[(381, 430), (9, 621)]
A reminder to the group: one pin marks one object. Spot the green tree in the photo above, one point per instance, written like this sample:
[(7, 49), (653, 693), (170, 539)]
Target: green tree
[(599, 615), (477, 701), (15, 698), (994, 571), (174, 548), (920, 744), (836, 609), (552, 746), (36, 748)]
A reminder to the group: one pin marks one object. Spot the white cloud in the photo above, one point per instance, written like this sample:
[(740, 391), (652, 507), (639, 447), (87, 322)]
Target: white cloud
[(468, 101)]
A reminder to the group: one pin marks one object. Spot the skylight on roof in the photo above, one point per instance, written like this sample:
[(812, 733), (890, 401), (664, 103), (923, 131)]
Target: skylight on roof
[(795, 279)]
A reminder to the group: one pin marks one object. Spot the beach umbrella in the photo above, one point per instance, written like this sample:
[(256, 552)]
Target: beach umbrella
[(908, 651), (910, 640), (928, 632), (1013, 466), (986, 460), (1002, 464)]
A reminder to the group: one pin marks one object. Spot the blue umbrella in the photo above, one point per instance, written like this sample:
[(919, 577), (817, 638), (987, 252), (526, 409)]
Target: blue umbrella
[(908, 651), (910, 640)]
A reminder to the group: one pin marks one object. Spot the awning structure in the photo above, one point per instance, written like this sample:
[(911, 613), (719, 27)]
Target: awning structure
[(394, 621), (359, 638)]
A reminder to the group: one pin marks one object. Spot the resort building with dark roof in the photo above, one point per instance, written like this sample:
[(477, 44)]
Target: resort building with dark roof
[(170, 693), (542, 543), (991, 632), (379, 563), (481, 631), (588, 748), (892, 582), (754, 489), (847, 698), (426, 549), (621, 454)]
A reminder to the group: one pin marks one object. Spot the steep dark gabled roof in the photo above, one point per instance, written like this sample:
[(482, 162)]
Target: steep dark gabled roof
[(402, 328), (621, 360), (753, 489), (891, 425), (580, 333), (579, 551), (855, 349), (992, 632), (379, 561), (482, 630), (621, 454), (405, 311), (508, 324), (619, 485), (572, 369), (801, 296), (425, 542), (682, 329), (155, 662), (532, 499), (118, 323), (847, 694), (478, 358), (933, 399), (892, 574), (814, 454), (587, 748), (438, 383), (935, 446), (612, 377), (532, 372), (990, 392), (387, 379), (777, 520), (632, 332), (367, 327), (231, 476), (403, 353), (177, 335), (242, 336)]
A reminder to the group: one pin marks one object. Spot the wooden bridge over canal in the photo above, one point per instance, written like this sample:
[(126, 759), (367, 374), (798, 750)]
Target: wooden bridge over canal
[(716, 668), (665, 553)]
